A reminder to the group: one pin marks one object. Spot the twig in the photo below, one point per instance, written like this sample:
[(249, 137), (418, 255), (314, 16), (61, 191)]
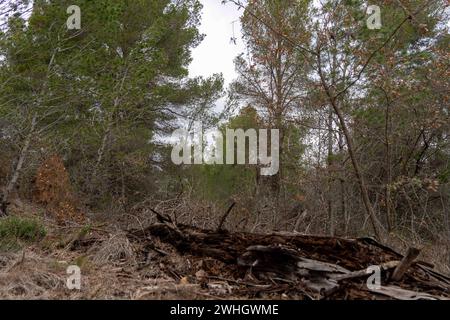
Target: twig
[(240, 283), (225, 216), (156, 249), (161, 218)]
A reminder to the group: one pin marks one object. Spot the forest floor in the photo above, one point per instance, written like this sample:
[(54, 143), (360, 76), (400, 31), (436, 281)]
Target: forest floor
[(164, 261)]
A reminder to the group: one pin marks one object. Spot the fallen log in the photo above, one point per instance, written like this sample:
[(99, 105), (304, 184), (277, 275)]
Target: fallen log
[(310, 266)]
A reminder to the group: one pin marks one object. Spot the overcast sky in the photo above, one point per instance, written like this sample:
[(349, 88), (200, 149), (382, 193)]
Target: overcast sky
[(216, 53)]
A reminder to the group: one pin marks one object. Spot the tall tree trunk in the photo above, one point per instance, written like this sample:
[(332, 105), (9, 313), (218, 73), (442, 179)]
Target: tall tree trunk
[(103, 147), (18, 169), (361, 181)]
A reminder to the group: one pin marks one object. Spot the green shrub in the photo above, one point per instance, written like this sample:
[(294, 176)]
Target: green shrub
[(15, 231)]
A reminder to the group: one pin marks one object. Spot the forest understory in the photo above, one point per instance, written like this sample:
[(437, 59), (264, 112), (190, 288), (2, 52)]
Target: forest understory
[(152, 257)]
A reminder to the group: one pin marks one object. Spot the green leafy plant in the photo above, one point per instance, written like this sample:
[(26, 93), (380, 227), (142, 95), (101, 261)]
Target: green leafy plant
[(15, 231)]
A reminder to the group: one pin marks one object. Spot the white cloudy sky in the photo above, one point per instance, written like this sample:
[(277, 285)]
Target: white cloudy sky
[(216, 53)]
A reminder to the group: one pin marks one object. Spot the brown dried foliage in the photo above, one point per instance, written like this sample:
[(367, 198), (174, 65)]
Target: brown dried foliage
[(53, 190)]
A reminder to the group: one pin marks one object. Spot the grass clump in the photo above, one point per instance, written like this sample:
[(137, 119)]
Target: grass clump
[(15, 232)]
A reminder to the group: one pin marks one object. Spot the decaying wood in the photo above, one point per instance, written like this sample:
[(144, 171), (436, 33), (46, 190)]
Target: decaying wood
[(309, 266), (363, 273), (403, 294), (406, 262)]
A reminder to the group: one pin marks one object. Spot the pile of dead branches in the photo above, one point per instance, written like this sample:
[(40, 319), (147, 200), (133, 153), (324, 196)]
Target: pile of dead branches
[(296, 266)]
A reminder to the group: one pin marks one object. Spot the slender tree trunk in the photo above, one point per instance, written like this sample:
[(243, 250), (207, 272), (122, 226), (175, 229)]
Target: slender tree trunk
[(332, 226), (361, 181), (344, 212), (388, 169), (102, 150), (330, 160), (18, 169), (351, 150)]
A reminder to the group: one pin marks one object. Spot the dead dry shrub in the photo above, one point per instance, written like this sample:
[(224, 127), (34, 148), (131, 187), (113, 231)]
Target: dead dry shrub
[(53, 190), (117, 250)]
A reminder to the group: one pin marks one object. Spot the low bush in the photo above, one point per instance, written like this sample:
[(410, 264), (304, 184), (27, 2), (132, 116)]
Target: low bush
[(15, 232)]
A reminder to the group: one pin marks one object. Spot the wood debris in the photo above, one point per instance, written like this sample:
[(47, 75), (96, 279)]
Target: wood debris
[(296, 266)]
